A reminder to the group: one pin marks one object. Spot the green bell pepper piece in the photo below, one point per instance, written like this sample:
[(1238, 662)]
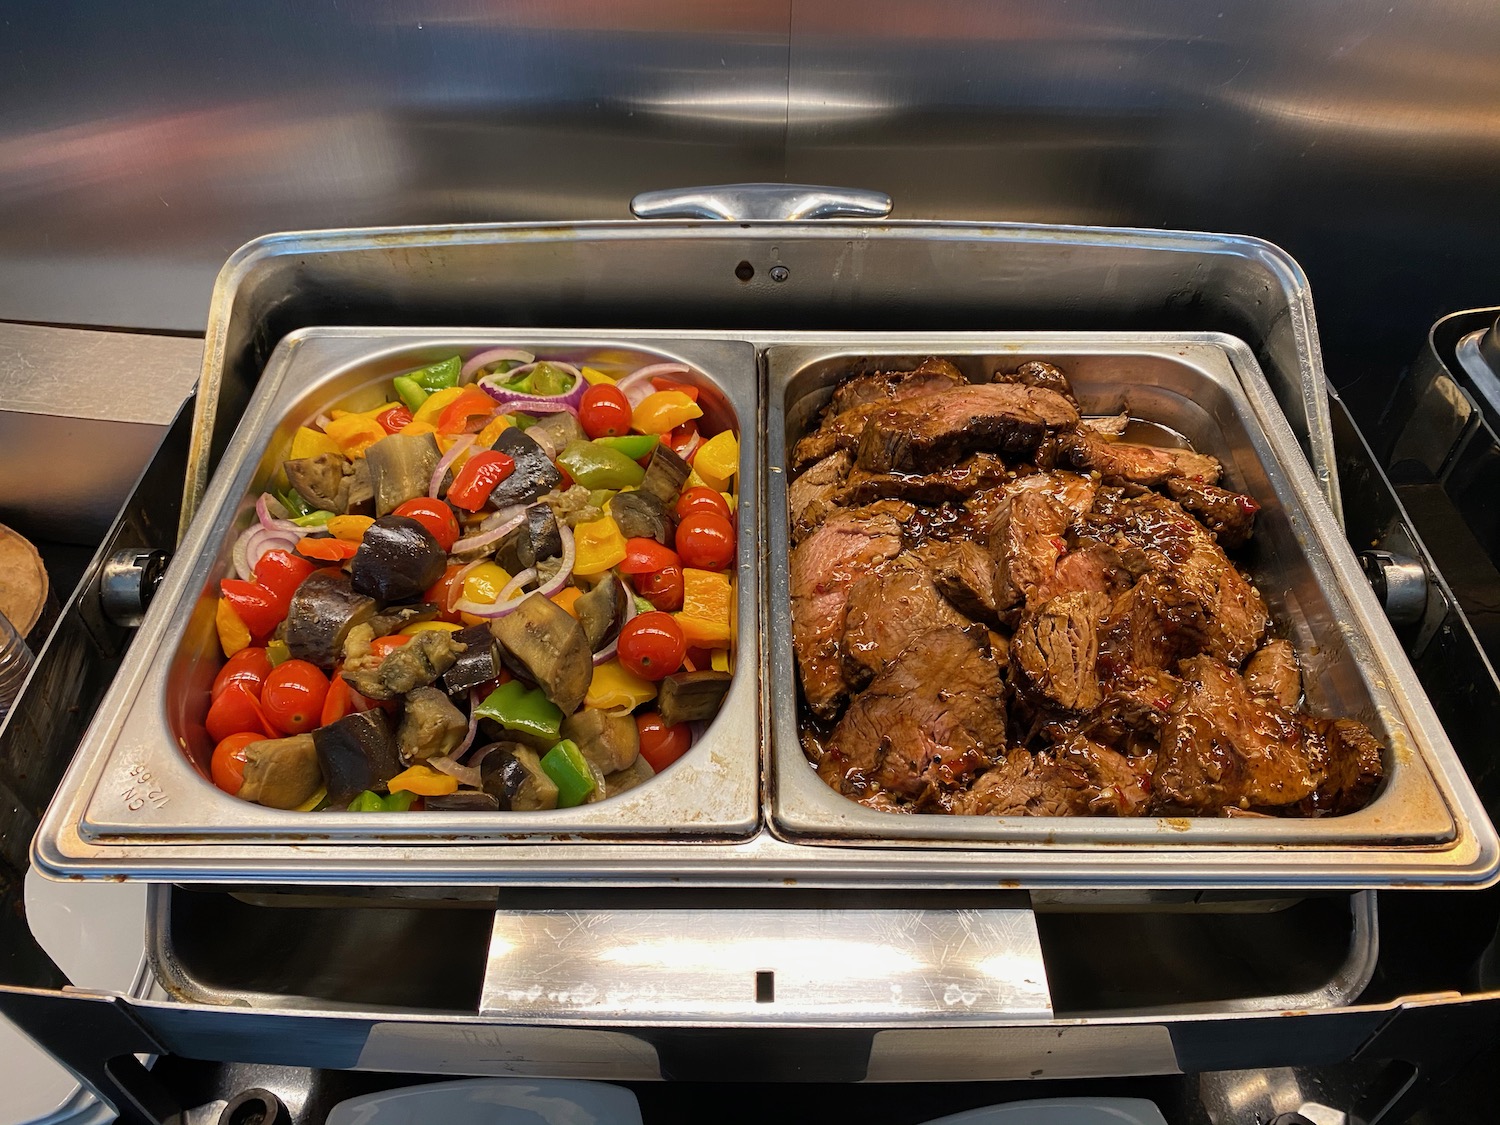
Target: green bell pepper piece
[(367, 802), (410, 391), (522, 709), (398, 802), (547, 379), (292, 501), (569, 771), (598, 466), (436, 376), (318, 518), (634, 446), (643, 605)]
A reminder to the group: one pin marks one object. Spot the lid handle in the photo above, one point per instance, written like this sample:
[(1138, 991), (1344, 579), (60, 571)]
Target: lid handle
[(761, 201)]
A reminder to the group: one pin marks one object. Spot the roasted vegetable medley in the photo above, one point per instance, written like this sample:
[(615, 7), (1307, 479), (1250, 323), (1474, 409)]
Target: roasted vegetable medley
[(509, 587)]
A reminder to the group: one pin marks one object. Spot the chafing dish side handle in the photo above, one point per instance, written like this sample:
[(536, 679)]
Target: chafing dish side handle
[(789, 202)]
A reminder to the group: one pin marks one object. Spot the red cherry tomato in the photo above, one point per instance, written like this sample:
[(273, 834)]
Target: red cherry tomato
[(668, 385), (293, 696), (395, 419), (281, 572), (228, 765), (258, 607), (701, 498), (661, 745), (443, 594), (236, 711), (662, 588), (642, 556), (652, 645), (249, 666), (435, 516), (684, 440), (705, 541), (604, 411)]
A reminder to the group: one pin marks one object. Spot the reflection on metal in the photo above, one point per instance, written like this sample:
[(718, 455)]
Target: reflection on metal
[(838, 966), (1400, 585), (128, 582), (761, 201)]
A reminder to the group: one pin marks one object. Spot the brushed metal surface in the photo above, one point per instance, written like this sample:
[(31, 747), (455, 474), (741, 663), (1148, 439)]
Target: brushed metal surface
[(1206, 388), (845, 966), (761, 201)]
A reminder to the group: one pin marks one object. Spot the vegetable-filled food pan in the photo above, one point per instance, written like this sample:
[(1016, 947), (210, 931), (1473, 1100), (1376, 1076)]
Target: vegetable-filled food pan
[(1208, 390), (154, 781)]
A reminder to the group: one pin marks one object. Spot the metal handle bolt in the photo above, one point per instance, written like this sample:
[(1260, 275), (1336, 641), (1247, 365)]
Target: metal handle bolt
[(1400, 584), (128, 583)]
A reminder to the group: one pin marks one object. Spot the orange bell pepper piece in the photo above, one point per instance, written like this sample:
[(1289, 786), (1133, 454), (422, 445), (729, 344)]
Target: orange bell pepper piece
[(328, 550)]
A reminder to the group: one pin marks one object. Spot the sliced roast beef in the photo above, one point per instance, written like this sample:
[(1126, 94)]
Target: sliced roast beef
[(823, 567), (1351, 760), (1110, 427), (1079, 778), (964, 573), (1273, 671), (888, 609), (933, 717), (924, 434), (1134, 709), (1223, 746), (1055, 652), (1026, 536), (1123, 462), (955, 483), (1229, 515), (811, 495), (858, 398), (1040, 374)]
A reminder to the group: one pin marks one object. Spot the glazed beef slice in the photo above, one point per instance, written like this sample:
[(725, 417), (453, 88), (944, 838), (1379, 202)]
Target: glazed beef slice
[(933, 717), (1229, 515), (887, 610), (1080, 778), (1055, 653), (812, 496), (925, 434), (1026, 534), (858, 398), (823, 567), (1123, 462), (955, 483), (964, 573)]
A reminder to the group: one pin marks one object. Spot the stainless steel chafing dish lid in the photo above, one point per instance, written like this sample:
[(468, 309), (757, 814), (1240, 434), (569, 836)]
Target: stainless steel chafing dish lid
[(133, 782)]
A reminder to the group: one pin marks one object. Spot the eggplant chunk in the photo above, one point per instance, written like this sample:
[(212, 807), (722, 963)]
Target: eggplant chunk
[(324, 608), (465, 800), (356, 753), (282, 773), (610, 742), (601, 611), (361, 491), (534, 475), (398, 559), (513, 775), (689, 697), (535, 540), (640, 515), (394, 618), (665, 475), (559, 429), (431, 726), (477, 664), (542, 642), (321, 480), (401, 467)]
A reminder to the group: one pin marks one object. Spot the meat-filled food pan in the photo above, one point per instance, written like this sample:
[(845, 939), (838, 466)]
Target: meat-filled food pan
[(1210, 392), (154, 780)]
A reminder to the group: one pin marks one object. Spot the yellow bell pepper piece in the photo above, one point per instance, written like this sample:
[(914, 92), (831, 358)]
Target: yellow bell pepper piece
[(234, 634), (424, 781), (429, 627), (349, 528), (663, 411), (616, 688), (568, 597), (431, 410), (717, 460), (414, 428), (707, 600), (314, 801), (594, 378), (598, 545), (719, 658), (484, 583), (355, 433), (307, 442), (491, 431)]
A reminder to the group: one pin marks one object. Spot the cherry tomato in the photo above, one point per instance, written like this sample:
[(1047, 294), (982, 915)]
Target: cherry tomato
[(684, 440), (339, 701), (394, 420), (281, 572), (293, 696), (435, 516), (642, 556), (249, 666), (604, 411), (235, 711), (661, 745), (228, 765), (652, 645), (660, 384), (701, 498), (662, 588), (705, 541), (259, 608), (442, 593)]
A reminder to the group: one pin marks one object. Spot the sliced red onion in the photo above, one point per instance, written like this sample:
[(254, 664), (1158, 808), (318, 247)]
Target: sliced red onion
[(494, 355), (467, 744), (270, 522), (607, 653), (466, 775), (501, 515), (686, 453), (515, 591), (458, 582), (480, 755), (261, 540), (445, 462), (637, 385), (241, 562), (513, 401), (485, 538)]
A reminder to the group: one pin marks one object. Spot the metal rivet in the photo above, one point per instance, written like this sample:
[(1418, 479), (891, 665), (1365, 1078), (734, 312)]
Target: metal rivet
[(780, 273)]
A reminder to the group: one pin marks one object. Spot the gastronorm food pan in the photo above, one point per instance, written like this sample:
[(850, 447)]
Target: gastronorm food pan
[(1209, 390), (152, 721)]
